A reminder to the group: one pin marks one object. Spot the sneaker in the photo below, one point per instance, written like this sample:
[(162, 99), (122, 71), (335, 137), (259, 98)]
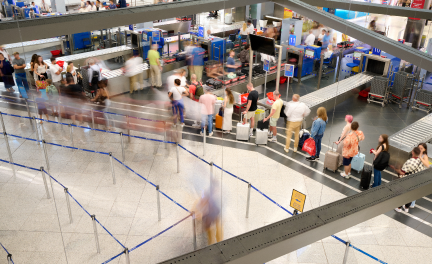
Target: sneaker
[(310, 159), (201, 133), (210, 134), (316, 158), (182, 124), (286, 150), (412, 206), (295, 150), (344, 175), (272, 139), (406, 209), (251, 134), (398, 210)]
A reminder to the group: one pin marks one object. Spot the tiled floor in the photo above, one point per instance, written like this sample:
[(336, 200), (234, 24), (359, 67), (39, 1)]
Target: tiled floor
[(33, 231)]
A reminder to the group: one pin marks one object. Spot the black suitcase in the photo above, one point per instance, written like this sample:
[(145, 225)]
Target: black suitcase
[(217, 84), (263, 125), (210, 82), (245, 71), (366, 177)]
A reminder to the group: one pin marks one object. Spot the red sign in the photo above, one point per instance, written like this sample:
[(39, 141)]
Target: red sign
[(419, 4)]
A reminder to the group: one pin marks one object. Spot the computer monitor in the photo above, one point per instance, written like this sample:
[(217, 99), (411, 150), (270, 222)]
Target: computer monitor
[(262, 44), (357, 55), (309, 53)]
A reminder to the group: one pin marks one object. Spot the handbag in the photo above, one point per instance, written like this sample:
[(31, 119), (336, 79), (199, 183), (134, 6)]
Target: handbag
[(309, 146), (41, 84), (221, 111)]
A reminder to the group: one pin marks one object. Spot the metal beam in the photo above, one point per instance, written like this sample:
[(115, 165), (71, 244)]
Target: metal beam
[(367, 36), (278, 239), (372, 8), (39, 28)]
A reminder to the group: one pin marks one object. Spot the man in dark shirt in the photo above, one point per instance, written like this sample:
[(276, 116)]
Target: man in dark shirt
[(251, 107), (244, 56), (74, 97)]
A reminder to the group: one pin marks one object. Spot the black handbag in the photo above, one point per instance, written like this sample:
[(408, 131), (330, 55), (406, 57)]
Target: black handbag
[(221, 111)]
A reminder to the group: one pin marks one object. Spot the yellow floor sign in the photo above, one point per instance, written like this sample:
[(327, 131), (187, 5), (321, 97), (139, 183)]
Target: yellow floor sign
[(298, 200)]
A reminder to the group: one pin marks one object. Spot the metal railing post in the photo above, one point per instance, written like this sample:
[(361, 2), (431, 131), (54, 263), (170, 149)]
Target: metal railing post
[(37, 131), (204, 140), (122, 146), (345, 260), (92, 117), (46, 154), (320, 71), (2, 122), (112, 168), (211, 171), (194, 231), (165, 135), (158, 202), (68, 204), (93, 217), (28, 112), (71, 135), (60, 116), (9, 258), (126, 251), (128, 129), (248, 200), (178, 158), (10, 153), (45, 182)]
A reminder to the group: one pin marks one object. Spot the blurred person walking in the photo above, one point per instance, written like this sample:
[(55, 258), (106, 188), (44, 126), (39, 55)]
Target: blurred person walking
[(228, 109), (72, 95), (207, 101), (6, 71), (351, 148), (94, 74), (103, 99), (53, 96), (317, 133), (295, 111), (197, 62), (175, 93), (274, 115), (155, 67), (42, 106), (381, 159), (178, 74), (135, 74)]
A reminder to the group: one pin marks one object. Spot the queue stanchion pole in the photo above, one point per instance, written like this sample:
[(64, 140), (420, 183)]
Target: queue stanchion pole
[(248, 200), (2, 122), (204, 140), (45, 182), (60, 116), (194, 231), (92, 117), (128, 128), (68, 204), (10, 153), (345, 260), (46, 154), (93, 217), (122, 146), (165, 134), (211, 172), (112, 168), (28, 112), (178, 158), (158, 202), (9, 258), (71, 135), (126, 251), (37, 131)]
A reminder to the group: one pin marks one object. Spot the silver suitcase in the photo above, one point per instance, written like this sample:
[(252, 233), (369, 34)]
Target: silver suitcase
[(242, 131), (217, 106), (261, 137)]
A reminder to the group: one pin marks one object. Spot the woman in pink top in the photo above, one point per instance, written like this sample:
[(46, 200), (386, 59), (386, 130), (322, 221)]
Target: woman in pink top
[(350, 148), (207, 102)]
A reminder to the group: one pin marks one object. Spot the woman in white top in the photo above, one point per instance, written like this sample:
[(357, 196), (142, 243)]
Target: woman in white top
[(94, 8), (71, 69), (244, 30), (228, 111), (40, 69), (88, 7), (176, 93), (181, 75)]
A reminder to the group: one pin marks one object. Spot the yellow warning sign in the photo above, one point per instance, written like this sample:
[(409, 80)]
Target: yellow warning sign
[(298, 200)]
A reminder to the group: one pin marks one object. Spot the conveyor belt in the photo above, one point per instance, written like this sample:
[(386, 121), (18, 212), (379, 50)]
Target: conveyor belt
[(119, 72), (28, 46), (30, 43), (330, 92)]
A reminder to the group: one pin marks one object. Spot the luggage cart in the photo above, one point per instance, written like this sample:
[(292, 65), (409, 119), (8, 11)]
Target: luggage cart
[(402, 88), (422, 100), (379, 91)]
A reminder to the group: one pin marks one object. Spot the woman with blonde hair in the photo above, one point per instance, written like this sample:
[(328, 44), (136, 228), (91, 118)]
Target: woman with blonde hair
[(243, 30), (317, 133), (228, 111)]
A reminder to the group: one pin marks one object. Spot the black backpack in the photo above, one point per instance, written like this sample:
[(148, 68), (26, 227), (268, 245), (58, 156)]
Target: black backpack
[(95, 77), (382, 161)]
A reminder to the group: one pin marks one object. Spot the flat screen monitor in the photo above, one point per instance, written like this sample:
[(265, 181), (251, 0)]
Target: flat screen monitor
[(357, 55), (309, 53), (262, 44)]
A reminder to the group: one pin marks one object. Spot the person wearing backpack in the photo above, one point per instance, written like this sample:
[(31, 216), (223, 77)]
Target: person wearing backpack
[(94, 74), (381, 159), (53, 96)]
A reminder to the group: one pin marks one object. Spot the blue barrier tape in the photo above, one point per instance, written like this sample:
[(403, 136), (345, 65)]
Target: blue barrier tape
[(6, 161), (367, 254), (79, 203), (109, 233), (174, 201), (151, 139), (230, 173), (253, 187), (113, 258), (69, 147), (54, 179), (31, 139), (160, 233), (7, 253), (16, 115), (134, 171), (193, 154), (340, 239)]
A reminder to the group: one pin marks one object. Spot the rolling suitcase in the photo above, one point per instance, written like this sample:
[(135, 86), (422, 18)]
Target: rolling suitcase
[(261, 137), (219, 122), (217, 107), (339, 150), (331, 160), (366, 177), (357, 162), (242, 130)]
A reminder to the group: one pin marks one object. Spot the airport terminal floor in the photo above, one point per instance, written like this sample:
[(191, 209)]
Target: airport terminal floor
[(124, 179)]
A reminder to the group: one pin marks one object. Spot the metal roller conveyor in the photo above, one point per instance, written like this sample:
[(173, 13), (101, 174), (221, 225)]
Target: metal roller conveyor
[(23, 47), (403, 141), (118, 82)]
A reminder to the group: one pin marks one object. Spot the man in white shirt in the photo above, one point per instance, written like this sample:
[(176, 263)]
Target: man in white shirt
[(55, 71), (133, 71), (295, 111), (321, 36), (250, 28), (310, 39), (94, 74)]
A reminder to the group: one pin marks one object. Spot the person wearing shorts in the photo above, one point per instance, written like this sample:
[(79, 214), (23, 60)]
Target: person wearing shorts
[(274, 115), (351, 148), (251, 107)]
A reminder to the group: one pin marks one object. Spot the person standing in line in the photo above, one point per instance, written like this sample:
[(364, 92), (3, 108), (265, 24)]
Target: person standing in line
[(228, 106), (94, 74), (176, 93), (178, 74), (244, 30), (425, 160), (112, 5), (383, 145), (295, 111), (40, 69), (6, 73), (411, 166), (32, 64), (274, 115), (98, 5), (197, 62), (346, 129), (20, 75), (55, 71), (5, 53), (310, 39), (351, 148), (71, 70), (155, 67), (317, 133), (53, 97), (251, 107), (88, 7), (207, 101)]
